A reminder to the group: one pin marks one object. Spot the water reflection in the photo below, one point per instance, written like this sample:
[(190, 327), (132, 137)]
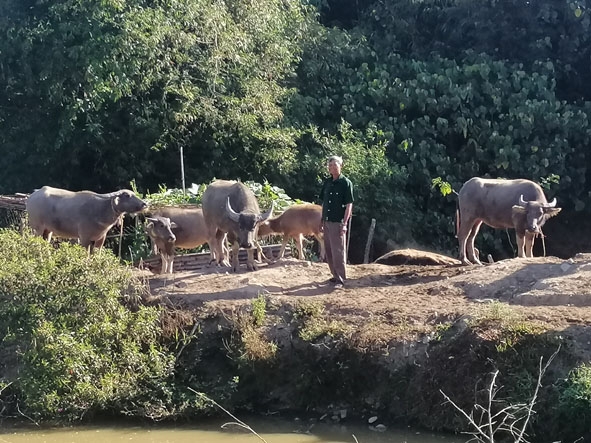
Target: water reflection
[(272, 431)]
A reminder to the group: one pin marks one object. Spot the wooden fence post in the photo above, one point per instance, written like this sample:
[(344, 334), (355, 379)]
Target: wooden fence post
[(369, 240)]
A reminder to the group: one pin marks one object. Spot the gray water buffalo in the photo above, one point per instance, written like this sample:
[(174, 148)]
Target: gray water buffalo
[(231, 207), (176, 227), (84, 215), (295, 222), (518, 204)]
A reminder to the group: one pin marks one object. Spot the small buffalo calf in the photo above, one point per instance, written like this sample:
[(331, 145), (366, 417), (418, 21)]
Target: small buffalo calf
[(295, 222)]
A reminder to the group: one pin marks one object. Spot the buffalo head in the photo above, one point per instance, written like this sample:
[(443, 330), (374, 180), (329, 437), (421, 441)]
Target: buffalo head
[(535, 212), (126, 201), (161, 228), (247, 224)]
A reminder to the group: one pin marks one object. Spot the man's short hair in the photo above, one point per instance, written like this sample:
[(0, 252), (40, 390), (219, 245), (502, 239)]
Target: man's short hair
[(336, 159)]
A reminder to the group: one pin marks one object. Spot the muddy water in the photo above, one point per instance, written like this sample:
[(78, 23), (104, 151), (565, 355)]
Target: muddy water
[(272, 431)]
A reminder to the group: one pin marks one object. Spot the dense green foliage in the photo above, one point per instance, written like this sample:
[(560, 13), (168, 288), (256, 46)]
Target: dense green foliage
[(575, 401), (99, 93), (71, 344), (94, 92)]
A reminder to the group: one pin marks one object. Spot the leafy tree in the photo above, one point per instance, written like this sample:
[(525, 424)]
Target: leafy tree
[(98, 93), (449, 119), (514, 30)]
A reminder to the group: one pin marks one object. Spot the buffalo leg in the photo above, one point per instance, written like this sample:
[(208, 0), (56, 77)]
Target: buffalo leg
[(221, 255), (321, 245), (250, 264), (529, 244), (89, 244), (470, 249), (235, 261), (100, 242), (212, 242), (300, 246), (466, 226), (520, 245), (167, 263), (283, 245), (261, 253), (47, 235), (216, 249)]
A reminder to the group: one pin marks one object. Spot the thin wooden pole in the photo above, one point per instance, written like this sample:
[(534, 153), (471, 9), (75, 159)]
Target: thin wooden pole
[(182, 169), (372, 228), (348, 238)]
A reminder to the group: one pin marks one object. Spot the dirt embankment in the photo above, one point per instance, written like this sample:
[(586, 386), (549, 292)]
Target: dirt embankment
[(553, 292), (394, 336)]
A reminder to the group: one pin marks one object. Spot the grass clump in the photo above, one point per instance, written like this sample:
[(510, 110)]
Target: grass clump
[(70, 345), (255, 346), (497, 312), (314, 323), (250, 326), (501, 323), (259, 310)]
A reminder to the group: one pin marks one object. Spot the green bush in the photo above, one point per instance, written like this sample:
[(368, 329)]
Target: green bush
[(74, 339), (575, 401)]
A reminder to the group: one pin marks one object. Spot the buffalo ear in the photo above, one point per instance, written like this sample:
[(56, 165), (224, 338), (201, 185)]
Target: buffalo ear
[(516, 209), (551, 212), (173, 225)]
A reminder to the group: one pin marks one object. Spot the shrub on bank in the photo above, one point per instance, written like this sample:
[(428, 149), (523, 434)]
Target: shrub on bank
[(74, 340), (575, 401)]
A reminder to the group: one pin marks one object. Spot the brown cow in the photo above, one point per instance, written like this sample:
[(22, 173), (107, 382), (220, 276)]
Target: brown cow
[(295, 222), (84, 215)]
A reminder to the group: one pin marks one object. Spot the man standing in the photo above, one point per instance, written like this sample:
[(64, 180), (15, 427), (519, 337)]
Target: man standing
[(337, 205)]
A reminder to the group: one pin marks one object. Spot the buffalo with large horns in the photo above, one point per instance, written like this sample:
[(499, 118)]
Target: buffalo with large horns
[(231, 207), (519, 204)]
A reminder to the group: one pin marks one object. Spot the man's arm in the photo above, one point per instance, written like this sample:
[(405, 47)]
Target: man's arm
[(348, 211), (347, 216), (349, 205)]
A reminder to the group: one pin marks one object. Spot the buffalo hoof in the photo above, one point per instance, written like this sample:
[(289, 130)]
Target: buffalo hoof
[(467, 262)]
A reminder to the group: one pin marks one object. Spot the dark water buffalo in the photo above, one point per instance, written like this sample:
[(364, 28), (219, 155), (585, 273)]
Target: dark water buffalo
[(84, 215), (176, 227), (231, 207), (518, 204), (295, 222)]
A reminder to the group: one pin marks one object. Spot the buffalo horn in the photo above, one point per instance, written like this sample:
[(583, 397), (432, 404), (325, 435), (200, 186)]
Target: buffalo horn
[(267, 214), (522, 202), (551, 204), (233, 215)]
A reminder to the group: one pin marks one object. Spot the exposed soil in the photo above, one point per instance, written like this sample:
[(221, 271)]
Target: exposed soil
[(413, 291)]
